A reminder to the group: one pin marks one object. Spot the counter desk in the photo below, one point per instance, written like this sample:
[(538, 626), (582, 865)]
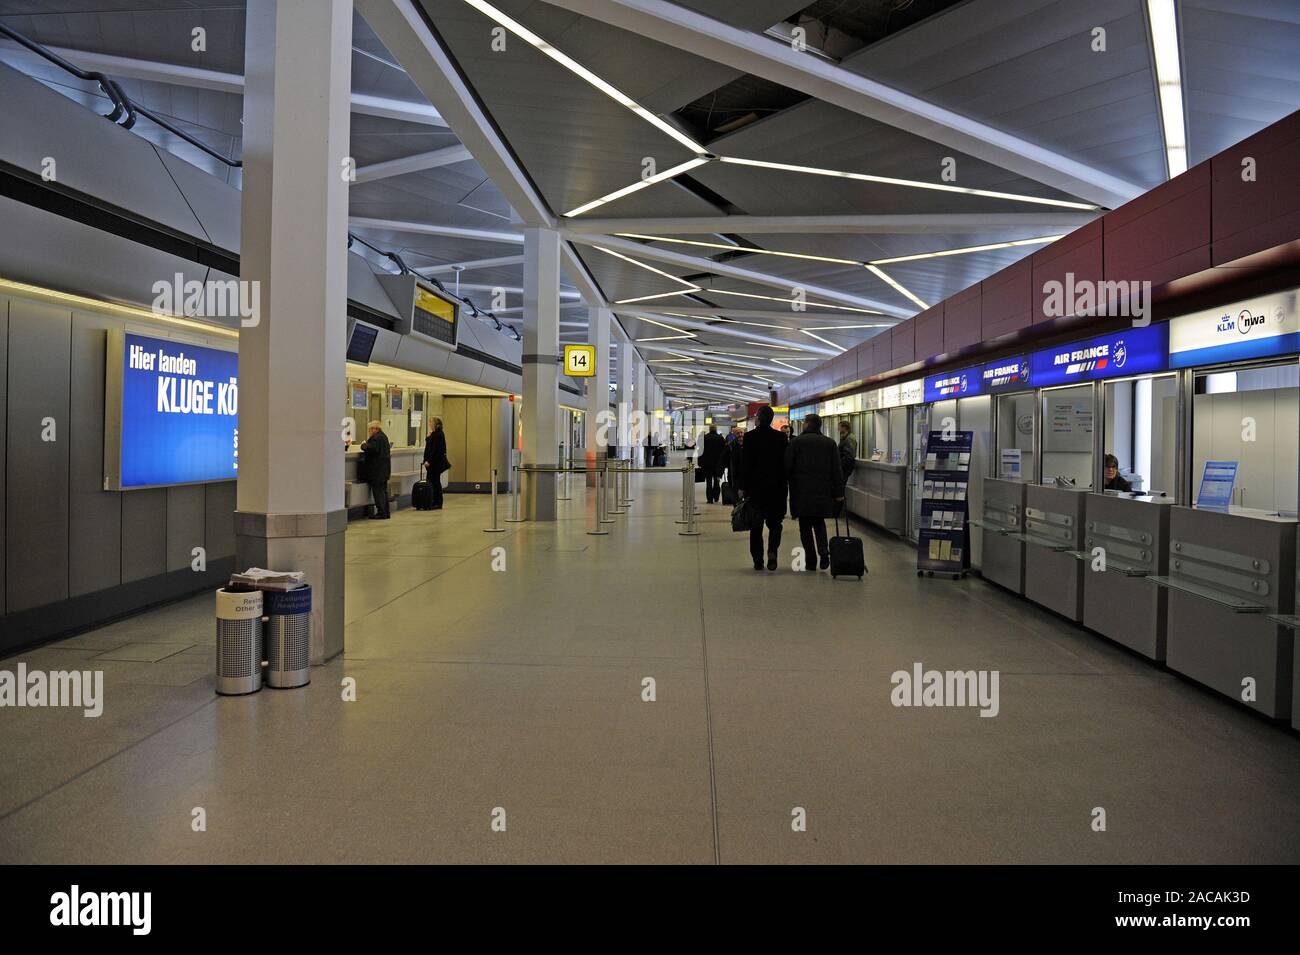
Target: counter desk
[(405, 467), (1001, 525), (876, 492)]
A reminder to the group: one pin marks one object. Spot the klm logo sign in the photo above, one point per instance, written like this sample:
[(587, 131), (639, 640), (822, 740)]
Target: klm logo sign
[(1242, 324)]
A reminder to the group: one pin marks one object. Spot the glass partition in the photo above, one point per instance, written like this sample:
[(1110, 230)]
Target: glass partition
[(1142, 432), (1250, 415), (1067, 435), (1015, 430)]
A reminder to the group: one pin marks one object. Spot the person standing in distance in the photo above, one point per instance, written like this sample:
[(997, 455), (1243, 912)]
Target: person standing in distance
[(763, 483), (377, 453), (812, 464), (711, 464), (435, 461), (848, 452)]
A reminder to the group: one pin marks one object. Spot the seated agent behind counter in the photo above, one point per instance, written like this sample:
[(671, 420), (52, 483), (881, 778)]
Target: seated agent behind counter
[(1113, 481), (812, 464), (376, 452)]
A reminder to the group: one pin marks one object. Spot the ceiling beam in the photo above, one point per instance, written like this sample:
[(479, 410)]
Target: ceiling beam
[(415, 163), (732, 331), (772, 314), (429, 228), (123, 67), (1034, 223), (684, 29), (697, 264)]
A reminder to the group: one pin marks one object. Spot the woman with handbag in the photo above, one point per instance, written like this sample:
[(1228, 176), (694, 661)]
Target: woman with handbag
[(435, 461)]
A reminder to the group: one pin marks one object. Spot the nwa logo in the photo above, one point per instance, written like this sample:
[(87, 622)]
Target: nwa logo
[(1242, 324)]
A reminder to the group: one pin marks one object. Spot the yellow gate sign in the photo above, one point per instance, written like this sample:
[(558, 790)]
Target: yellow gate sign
[(580, 361)]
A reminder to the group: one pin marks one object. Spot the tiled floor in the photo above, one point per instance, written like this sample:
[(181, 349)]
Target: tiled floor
[(522, 690)]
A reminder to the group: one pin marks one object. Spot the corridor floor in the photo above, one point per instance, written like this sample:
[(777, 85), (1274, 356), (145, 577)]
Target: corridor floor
[(501, 716)]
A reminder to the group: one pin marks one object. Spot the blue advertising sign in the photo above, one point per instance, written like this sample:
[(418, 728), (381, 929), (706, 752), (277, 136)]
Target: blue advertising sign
[(1217, 481), (966, 383), (179, 413), (1006, 374), (1129, 351)]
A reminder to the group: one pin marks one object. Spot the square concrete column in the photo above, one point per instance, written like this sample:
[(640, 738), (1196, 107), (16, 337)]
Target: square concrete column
[(289, 512), (541, 368), (596, 419)]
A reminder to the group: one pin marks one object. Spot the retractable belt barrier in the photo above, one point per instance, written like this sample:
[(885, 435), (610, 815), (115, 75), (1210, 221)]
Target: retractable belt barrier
[(613, 493)]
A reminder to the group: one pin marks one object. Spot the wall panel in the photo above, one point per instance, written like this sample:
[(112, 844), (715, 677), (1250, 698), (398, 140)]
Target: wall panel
[(219, 522), (961, 319), (95, 515), (1007, 301), (1163, 234), (186, 525), (144, 533)]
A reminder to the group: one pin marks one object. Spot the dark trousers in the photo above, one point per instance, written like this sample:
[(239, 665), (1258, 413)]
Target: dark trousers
[(712, 487), (435, 485), (756, 538), (812, 534), (379, 489)]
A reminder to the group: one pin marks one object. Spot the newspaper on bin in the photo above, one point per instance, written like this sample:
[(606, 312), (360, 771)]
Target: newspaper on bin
[(264, 579)]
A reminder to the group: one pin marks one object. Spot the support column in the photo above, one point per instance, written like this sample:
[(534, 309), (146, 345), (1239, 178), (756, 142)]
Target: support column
[(596, 419), (289, 512), (624, 393), (541, 368)]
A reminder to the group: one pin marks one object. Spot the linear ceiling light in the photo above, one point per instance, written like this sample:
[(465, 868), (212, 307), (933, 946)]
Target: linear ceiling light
[(1164, 45), (790, 301), (826, 341), (638, 185), (646, 266), (897, 286), (768, 345), (647, 298), (911, 183), (1042, 240), (573, 66), (794, 368), (740, 248)]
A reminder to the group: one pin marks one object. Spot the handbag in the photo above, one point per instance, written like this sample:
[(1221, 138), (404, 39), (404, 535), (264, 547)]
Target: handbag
[(745, 516)]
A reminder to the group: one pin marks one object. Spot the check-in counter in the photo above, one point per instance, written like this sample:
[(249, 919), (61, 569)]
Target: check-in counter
[(404, 464), (1231, 577), (1291, 623), (1001, 523), (876, 492), (1053, 536), (1132, 533)]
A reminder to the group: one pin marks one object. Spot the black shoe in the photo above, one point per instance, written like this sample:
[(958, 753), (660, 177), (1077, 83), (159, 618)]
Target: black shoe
[(771, 561), (824, 563), (758, 565)]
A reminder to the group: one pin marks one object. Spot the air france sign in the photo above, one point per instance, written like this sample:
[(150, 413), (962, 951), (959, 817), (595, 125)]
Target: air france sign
[(966, 383), (1255, 328), (1131, 351), (179, 413), (1006, 374)]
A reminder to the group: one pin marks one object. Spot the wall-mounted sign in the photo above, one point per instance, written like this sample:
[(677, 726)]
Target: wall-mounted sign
[(360, 395), (966, 383), (171, 413), (394, 399), (1006, 374), (1129, 351), (1009, 464), (580, 361), (1254, 328)]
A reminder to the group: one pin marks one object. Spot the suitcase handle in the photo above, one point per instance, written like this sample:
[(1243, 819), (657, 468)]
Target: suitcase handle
[(848, 529)]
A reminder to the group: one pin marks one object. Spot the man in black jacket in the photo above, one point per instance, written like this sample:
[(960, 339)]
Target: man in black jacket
[(762, 479), (848, 450), (435, 461), (812, 464), (711, 463), (376, 453)]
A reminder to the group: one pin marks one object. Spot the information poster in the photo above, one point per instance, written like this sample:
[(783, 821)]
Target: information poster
[(175, 411), (942, 534), (1217, 481), (1009, 468)]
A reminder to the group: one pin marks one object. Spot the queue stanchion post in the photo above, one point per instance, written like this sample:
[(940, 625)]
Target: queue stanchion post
[(494, 529), (562, 494), (598, 505), (690, 530), (686, 476), (514, 517), (606, 516)]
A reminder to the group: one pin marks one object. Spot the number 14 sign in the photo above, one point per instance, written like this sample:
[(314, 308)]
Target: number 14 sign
[(580, 361)]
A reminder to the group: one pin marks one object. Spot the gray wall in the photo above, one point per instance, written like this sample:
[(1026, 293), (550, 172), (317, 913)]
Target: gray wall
[(63, 534)]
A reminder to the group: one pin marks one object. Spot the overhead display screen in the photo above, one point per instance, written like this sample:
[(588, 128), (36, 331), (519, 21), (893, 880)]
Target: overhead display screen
[(171, 413)]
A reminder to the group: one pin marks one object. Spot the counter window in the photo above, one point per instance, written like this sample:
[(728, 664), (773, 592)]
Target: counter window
[(1251, 416), (1015, 418), (1067, 435), (1142, 434)]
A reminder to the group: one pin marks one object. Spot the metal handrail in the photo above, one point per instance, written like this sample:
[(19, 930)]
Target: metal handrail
[(123, 105)]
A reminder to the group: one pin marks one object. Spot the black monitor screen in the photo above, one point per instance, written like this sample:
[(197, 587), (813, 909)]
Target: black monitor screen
[(361, 343)]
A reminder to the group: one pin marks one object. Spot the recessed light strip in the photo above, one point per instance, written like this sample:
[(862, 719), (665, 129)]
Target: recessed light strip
[(646, 266), (897, 286), (739, 248), (1042, 240), (1163, 15), (910, 183), (826, 341), (638, 185), (789, 301)]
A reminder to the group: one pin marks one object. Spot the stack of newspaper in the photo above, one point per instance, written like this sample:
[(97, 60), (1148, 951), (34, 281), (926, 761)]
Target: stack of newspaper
[(264, 579)]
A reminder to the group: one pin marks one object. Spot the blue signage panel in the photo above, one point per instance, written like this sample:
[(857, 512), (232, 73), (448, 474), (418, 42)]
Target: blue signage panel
[(1129, 351), (1006, 374), (966, 383), (180, 413)]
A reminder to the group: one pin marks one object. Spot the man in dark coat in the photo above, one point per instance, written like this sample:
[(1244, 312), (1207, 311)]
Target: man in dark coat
[(762, 480), (435, 461), (812, 464), (711, 463), (848, 450), (376, 453)]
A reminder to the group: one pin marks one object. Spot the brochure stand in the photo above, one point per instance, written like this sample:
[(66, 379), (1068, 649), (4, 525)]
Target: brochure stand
[(943, 533)]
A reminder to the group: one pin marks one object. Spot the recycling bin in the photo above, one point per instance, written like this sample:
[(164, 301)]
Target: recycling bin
[(239, 641), (288, 637)]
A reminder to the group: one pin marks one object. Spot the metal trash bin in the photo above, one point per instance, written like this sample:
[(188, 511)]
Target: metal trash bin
[(288, 637), (239, 641)]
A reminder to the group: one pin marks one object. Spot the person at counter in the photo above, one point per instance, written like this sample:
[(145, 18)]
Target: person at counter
[(848, 453), (435, 461), (376, 464), (1113, 481)]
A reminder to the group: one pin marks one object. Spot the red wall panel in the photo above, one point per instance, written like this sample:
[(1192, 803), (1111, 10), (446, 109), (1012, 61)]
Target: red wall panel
[(961, 319), (1079, 253), (883, 349), (1008, 302), (929, 332), (1253, 216), (1163, 234), (903, 337)]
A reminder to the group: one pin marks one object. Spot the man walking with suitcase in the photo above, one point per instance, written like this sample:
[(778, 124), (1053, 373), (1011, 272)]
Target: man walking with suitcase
[(812, 465)]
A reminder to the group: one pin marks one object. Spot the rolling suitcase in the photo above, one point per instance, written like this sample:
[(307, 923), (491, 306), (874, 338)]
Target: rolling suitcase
[(728, 495), (422, 496), (846, 552)]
